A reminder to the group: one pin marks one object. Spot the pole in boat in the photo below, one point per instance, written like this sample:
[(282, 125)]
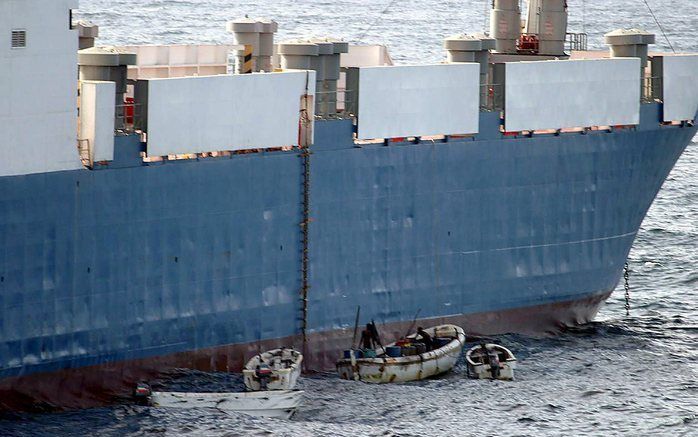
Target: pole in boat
[(414, 322), (356, 326), (354, 368)]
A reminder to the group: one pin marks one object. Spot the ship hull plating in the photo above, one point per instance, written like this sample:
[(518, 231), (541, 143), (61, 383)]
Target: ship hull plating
[(103, 384), (181, 263)]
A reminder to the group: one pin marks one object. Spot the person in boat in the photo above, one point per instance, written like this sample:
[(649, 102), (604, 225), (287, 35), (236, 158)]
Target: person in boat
[(369, 337), (425, 338), (495, 368), (485, 353)]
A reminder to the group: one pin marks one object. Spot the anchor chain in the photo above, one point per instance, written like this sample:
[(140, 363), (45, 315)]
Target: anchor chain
[(626, 277)]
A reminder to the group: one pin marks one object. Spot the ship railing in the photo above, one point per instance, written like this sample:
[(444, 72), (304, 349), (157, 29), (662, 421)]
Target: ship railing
[(492, 97), (577, 42), (338, 104), (128, 118), (652, 89)]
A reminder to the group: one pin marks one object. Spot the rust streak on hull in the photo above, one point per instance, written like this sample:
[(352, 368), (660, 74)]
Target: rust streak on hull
[(112, 383)]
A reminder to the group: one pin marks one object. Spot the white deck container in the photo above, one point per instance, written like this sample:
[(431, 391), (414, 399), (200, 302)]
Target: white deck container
[(575, 93), (97, 112), (680, 87), (403, 101), (227, 112), (38, 71)]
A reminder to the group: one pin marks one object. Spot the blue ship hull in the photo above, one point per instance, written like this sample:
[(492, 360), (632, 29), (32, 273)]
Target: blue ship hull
[(126, 271)]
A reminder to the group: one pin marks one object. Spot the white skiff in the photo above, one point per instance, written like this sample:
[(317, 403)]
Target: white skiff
[(277, 369), (490, 361), (385, 369), (280, 403)]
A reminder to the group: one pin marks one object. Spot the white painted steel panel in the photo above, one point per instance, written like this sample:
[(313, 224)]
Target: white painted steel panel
[(578, 93), (166, 61), (404, 101), (365, 56), (38, 83), (680, 87), (228, 112), (97, 112)]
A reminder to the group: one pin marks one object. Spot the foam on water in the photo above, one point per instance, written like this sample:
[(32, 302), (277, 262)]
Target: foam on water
[(622, 375)]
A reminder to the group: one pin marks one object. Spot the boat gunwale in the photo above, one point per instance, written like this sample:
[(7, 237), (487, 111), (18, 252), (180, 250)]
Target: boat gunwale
[(468, 354), (454, 344), (295, 364), (241, 394)]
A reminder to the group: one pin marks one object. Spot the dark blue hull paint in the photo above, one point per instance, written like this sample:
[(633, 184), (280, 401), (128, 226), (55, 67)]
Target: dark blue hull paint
[(136, 261)]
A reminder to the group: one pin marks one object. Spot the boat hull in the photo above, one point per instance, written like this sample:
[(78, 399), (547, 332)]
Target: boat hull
[(284, 379), (281, 378), (278, 404), (483, 371), (385, 370), (479, 368)]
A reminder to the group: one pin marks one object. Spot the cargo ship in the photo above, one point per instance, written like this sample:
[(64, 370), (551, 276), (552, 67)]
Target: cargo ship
[(167, 207)]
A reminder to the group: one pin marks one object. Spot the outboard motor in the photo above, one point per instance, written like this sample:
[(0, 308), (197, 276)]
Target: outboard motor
[(263, 374), (142, 394)]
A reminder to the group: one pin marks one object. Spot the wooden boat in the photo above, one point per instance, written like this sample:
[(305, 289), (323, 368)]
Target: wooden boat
[(490, 361), (277, 369), (279, 403), (385, 369)]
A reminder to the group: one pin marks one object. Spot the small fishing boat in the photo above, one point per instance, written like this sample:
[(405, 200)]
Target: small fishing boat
[(406, 360), (280, 403), (490, 361), (277, 369)]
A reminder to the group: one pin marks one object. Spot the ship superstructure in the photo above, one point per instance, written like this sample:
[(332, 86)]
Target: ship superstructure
[(193, 211)]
